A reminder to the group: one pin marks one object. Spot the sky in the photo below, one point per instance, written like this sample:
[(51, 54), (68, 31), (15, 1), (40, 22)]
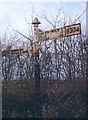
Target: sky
[(18, 13), (43, 0)]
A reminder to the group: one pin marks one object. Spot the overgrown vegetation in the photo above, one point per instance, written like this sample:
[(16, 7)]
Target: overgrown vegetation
[(67, 100)]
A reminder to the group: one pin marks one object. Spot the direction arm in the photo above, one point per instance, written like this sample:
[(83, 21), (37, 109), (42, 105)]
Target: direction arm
[(14, 52)]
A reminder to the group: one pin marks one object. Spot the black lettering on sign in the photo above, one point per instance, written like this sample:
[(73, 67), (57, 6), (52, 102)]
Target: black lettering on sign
[(74, 29), (78, 29), (67, 31), (71, 30)]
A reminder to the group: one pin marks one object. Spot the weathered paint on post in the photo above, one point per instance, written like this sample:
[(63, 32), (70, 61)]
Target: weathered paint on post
[(38, 102)]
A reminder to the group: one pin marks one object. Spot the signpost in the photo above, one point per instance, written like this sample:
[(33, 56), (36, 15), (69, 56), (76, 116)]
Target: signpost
[(66, 31), (14, 52)]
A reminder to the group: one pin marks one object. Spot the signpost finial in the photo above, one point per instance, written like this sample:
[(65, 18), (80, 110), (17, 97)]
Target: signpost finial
[(36, 22)]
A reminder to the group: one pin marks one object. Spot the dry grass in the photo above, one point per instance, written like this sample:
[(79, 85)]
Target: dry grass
[(18, 95), (23, 88)]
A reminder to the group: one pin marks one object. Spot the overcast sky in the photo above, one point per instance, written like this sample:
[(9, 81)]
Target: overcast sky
[(14, 12)]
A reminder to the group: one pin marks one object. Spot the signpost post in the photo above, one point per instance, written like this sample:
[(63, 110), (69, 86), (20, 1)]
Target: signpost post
[(38, 102)]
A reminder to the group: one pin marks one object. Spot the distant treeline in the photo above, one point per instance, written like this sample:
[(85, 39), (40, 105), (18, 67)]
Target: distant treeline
[(60, 59)]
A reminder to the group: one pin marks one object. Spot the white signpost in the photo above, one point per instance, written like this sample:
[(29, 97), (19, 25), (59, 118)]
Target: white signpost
[(59, 32)]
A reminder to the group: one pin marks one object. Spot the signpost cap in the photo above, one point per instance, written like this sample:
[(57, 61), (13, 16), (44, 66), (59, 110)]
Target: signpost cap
[(36, 22)]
